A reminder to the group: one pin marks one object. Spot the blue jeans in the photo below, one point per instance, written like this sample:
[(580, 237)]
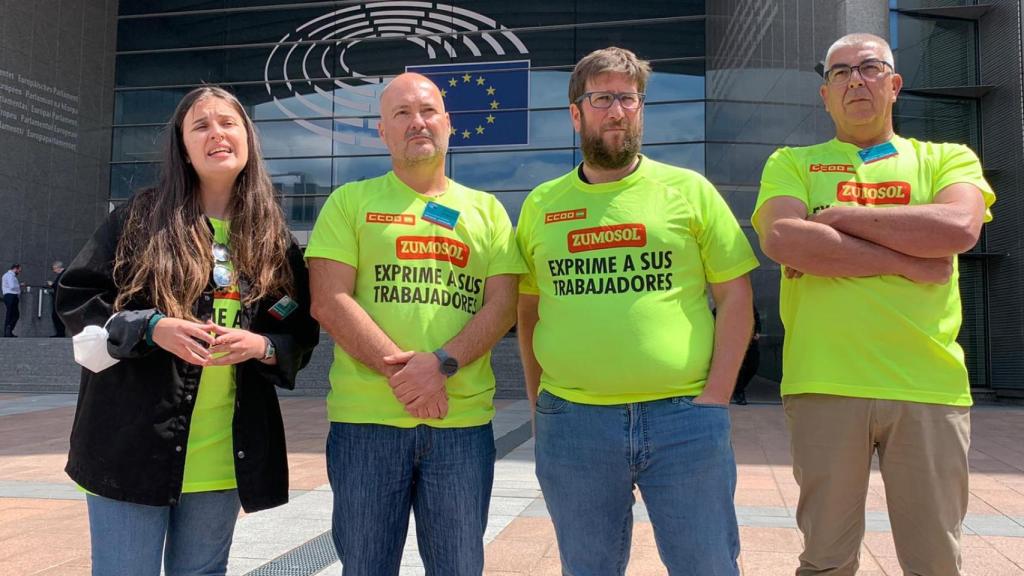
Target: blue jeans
[(680, 456), (193, 537), (379, 472)]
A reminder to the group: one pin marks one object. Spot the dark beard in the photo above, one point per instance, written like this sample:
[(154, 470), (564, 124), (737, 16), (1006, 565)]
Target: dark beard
[(597, 154)]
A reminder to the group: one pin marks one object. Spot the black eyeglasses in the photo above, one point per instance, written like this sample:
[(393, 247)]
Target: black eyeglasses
[(222, 274), (869, 70), (604, 100)]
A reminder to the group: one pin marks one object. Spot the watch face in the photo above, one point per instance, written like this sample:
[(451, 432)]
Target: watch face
[(450, 366)]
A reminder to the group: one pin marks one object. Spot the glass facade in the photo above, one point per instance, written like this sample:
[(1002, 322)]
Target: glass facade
[(720, 100), (310, 75), (934, 52)]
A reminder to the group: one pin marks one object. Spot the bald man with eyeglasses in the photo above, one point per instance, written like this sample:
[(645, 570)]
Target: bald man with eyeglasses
[(867, 228)]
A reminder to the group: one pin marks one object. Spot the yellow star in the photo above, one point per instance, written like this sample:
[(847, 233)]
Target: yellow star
[(490, 90), (490, 118), (444, 93), (479, 80), (452, 132), (479, 129), (494, 104), (465, 134), (467, 77), (452, 82)]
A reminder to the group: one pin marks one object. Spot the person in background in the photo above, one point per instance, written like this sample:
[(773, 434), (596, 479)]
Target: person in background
[(58, 326), (12, 297)]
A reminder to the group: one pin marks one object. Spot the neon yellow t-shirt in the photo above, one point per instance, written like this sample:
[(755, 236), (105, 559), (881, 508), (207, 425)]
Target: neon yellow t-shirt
[(621, 269), (421, 282), (209, 459), (883, 336)]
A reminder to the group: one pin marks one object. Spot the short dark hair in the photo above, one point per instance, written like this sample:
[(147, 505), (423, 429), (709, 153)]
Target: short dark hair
[(611, 59), (15, 265)]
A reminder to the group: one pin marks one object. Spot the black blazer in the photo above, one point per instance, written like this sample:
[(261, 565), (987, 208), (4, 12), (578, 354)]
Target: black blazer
[(130, 433)]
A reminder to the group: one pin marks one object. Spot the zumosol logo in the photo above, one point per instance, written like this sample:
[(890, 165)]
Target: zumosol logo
[(432, 248), (566, 215), (384, 218), (602, 237), (848, 168), (873, 193)]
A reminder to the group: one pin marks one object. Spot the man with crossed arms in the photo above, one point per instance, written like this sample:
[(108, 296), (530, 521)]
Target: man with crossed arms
[(867, 227)]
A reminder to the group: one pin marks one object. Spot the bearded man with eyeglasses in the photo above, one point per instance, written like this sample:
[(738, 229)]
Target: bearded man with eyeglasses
[(629, 374), (867, 227)]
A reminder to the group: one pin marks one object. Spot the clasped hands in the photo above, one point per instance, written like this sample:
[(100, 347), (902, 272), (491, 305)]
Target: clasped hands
[(417, 382), (207, 344)]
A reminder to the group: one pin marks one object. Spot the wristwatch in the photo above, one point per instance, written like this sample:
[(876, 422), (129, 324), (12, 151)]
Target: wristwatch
[(449, 366), (270, 351)]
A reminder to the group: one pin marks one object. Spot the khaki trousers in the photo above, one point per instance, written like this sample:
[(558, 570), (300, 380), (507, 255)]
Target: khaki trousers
[(922, 454)]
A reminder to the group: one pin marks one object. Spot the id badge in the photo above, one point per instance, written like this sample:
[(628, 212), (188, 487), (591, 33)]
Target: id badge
[(441, 215), (877, 152), (283, 308)]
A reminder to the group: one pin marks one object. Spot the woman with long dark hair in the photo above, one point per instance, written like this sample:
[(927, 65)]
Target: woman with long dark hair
[(205, 297)]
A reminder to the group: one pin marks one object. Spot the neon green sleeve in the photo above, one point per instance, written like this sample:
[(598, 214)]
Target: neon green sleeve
[(724, 248), (781, 177), (504, 257), (958, 164), (524, 234), (334, 236)]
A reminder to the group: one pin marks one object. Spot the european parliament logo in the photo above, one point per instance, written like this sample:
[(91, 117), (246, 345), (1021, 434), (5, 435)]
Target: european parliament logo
[(488, 102)]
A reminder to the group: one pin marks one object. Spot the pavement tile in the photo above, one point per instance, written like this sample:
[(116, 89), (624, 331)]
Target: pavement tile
[(989, 562), (755, 563), (44, 529), (538, 529), (1012, 548), (514, 555), (644, 561), (1005, 501), (880, 544), (786, 540), (762, 498)]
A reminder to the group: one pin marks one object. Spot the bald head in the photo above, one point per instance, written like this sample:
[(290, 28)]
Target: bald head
[(861, 40), (403, 84), (413, 122)]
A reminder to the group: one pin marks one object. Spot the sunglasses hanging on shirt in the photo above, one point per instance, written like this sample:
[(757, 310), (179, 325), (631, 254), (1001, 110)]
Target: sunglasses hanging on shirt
[(222, 274)]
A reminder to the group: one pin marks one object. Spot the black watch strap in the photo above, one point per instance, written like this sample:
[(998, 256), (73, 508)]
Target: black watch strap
[(449, 366)]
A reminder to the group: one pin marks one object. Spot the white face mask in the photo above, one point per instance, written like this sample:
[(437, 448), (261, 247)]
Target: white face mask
[(91, 349)]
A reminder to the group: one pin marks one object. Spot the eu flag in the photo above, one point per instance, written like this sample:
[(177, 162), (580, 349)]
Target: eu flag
[(488, 101)]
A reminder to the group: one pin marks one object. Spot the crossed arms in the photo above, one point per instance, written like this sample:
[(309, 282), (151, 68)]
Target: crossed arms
[(916, 242), (414, 376)]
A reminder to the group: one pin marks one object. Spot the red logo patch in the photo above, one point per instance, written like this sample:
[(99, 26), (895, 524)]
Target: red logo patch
[(432, 248), (603, 237), (847, 168), (384, 218), (869, 193), (565, 215)]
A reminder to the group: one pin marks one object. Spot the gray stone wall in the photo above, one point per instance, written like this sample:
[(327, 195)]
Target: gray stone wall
[(56, 105)]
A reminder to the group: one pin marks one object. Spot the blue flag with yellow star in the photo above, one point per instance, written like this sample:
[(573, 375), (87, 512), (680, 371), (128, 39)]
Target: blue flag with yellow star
[(488, 101)]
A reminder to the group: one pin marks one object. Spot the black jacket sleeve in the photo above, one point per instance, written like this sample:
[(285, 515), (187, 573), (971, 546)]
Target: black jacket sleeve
[(86, 293), (296, 335)]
